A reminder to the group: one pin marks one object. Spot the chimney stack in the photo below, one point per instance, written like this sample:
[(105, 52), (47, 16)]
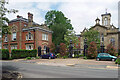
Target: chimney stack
[(19, 16), (30, 19)]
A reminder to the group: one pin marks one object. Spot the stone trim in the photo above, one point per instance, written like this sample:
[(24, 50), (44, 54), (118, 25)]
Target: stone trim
[(37, 28), (13, 43), (29, 43)]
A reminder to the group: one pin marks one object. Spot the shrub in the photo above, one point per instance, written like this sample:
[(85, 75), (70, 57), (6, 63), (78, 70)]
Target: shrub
[(19, 53), (62, 49), (111, 49), (77, 55), (116, 54), (92, 50), (37, 57), (52, 48), (58, 55), (28, 58), (64, 57), (117, 61), (5, 54), (10, 58), (81, 55), (85, 57)]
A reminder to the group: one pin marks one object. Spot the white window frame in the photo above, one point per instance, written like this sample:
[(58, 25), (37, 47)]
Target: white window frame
[(28, 47), (5, 39), (45, 37), (14, 37), (28, 36), (13, 47), (5, 46)]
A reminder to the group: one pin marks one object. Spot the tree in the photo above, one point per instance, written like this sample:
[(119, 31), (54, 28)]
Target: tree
[(111, 49), (4, 20), (52, 48), (92, 50), (59, 24), (70, 35), (62, 49), (92, 35)]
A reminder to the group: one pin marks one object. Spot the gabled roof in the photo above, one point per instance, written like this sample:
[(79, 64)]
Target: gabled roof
[(99, 26)]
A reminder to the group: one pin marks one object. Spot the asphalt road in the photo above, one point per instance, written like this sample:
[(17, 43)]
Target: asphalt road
[(29, 70)]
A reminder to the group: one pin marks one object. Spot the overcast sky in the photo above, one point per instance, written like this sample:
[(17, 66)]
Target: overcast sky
[(82, 13)]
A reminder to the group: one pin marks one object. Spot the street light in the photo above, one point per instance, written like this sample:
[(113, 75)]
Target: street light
[(70, 49), (102, 44), (85, 46)]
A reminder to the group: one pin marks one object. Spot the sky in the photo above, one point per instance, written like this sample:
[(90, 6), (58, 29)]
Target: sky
[(82, 13)]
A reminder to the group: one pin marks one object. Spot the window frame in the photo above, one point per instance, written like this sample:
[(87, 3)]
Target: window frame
[(6, 38), (14, 37), (45, 36)]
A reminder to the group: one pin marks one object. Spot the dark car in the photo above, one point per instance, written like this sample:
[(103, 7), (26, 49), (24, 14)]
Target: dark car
[(48, 56), (105, 56)]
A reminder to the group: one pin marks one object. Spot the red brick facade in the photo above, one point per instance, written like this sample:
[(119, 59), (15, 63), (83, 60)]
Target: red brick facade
[(26, 34)]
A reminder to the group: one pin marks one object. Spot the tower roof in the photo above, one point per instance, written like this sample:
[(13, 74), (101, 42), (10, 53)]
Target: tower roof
[(97, 19), (106, 14)]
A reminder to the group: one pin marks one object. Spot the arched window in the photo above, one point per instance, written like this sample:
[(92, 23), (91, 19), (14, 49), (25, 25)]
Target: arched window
[(14, 36), (106, 21), (102, 37), (30, 35), (45, 48)]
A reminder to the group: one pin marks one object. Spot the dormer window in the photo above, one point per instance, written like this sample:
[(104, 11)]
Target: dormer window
[(29, 36), (14, 36)]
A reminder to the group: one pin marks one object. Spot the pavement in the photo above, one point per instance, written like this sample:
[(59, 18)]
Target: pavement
[(72, 62)]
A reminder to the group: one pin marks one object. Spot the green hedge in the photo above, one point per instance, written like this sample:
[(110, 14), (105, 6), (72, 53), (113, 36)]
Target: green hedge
[(5, 54), (19, 53), (117, 61)]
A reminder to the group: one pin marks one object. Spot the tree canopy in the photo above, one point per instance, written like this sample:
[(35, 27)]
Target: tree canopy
[(70, 35), (59, 24), (3, 19), (92, 35)]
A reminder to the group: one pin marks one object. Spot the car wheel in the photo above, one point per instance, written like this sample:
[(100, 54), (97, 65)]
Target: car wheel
[(98, 59), (113, 59), (49, 57)]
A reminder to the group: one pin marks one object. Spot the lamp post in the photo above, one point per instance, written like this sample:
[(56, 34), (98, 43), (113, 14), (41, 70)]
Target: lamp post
[(85, 46), (102, 44), (70, 49)]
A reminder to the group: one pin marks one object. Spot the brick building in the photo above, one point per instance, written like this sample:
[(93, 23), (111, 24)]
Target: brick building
[(26, 34)]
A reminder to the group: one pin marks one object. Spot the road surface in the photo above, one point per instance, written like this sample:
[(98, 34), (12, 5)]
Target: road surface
[(29, 70)]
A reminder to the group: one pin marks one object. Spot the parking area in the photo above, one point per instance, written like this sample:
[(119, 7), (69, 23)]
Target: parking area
[(76, 62)]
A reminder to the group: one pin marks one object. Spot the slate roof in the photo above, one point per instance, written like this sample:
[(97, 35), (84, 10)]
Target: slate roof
[(22, 19)]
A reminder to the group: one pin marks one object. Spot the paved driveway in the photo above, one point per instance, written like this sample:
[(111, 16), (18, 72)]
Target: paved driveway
[(74, 62)]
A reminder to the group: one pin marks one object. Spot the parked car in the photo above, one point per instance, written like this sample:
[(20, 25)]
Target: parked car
[(48, 56), (105, 56)]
